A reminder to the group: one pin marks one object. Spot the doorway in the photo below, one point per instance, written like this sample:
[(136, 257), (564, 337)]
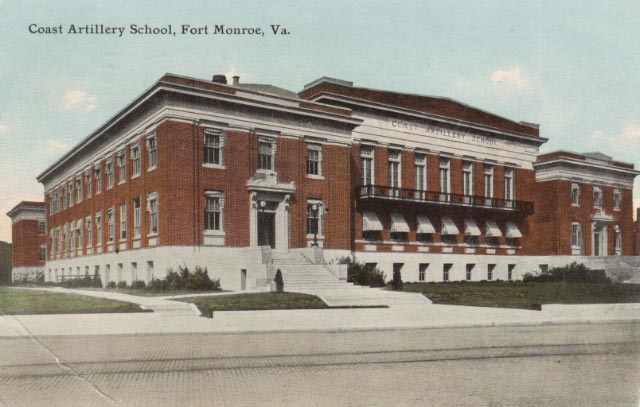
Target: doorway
[(267, 229)]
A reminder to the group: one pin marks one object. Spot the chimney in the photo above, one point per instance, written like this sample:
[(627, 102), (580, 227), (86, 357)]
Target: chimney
[(219, 79), (236, 80)]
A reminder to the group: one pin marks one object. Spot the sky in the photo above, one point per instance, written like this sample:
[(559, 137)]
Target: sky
[(570, 66)]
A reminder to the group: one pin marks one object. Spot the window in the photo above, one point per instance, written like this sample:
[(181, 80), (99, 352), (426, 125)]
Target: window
[(111, 224), (153, 213), (421, 175), (617, 199), (89, 231), (135, 159), (122, 167), (42, 227), (314, 215), (366, 165), (87, 181), (575, 194), (70, 195), (597, 197), (397, 270), (213, 211), (213, 145), (52, 237), (123, 221), (42, 255), (470, 268), (314, 159), (136, 217), (51, 205), (509, 191), (576, 238), (467, 181), (110, 174), (510, 269), (488, 184), (491, 268), (153, 154), (422, 271), (617, 238), (394, 171), (97, 172), (265, 156), (72, 237), (79, 189), (445, 181), (446, 268), (79, 234), (98, 228)]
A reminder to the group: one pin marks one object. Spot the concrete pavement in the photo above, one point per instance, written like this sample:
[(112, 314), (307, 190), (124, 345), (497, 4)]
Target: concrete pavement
[(174, 317)]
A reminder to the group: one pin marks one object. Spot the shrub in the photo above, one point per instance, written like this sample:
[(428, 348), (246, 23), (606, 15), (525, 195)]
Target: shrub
[(279, 282), (122, 284), (572, 273), (97, 281), (396, 282), (138, 284), (111, 284), (183, 279), (360, 274)]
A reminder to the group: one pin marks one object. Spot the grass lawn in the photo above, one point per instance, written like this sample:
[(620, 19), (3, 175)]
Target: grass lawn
[(255, 301), (522, 295), (17, 301)]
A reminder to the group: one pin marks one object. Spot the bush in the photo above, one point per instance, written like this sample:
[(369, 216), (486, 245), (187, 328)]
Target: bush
[(396, 282), (183, 279), (279, 282), (572, 273), (138, 284), (97, 281), (122, 284), (112, 284), (360, 274)]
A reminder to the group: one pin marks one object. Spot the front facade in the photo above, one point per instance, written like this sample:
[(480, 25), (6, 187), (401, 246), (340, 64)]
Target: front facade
[(207, 173), (28, 229)]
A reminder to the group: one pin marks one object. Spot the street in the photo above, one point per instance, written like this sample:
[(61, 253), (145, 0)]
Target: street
[(595, 365)]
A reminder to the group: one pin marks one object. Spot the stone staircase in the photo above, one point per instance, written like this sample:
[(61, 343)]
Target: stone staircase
[(302, 276), (622, 269)]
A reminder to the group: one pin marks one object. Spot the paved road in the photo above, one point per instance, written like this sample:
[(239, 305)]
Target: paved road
[(586, 365)]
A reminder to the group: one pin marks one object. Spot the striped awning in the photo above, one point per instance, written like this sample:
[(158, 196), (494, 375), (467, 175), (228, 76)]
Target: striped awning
[(399, 223), (425, 225), (513, 231), (449, 227), (470, 228), (370, 222), (492, 229)]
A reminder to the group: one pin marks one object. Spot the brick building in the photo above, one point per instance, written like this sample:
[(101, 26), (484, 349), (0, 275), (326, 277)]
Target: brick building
[(197, 172), (29, 231)]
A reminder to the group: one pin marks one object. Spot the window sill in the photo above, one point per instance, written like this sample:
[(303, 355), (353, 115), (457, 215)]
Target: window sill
[(135, 176), (153, 234), (318, 177), (266, 172), (211, 232), (151, 168), (214, 166), (122, 182)]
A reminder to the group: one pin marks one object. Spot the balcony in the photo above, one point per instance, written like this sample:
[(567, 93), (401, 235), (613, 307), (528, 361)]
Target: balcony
[(438, 198)]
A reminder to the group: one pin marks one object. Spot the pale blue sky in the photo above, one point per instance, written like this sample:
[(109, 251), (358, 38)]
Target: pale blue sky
[(570, 66)]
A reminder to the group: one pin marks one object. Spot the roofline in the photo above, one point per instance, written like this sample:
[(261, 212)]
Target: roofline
[(23, 205), (416, 113), (583, 163), (587, 158)]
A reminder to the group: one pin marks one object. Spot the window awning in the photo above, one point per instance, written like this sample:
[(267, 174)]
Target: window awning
[(470, 228), (512, 231), (424, 225), (448, 227), (370, 222), (398, 223), (492, 229)]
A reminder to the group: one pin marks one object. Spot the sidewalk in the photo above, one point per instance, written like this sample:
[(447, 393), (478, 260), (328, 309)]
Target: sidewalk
[(408, 316)]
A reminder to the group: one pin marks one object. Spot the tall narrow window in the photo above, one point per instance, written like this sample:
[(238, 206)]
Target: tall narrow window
[(79, 234), (469, 272), (509, 183), (422, 271), (576, 238), (314, 217), (366, 165), (136, 217), (421, 175), (488, 185), (617, 199), (70, 195), (213, 147), (446, 269), (575, 194), (467, 181), (43, 252), (111, 224), (89, 231), (79, 189), (72, 237), (135, 159), (110, 174), (617, 238), (42, 227), (97, 172), (89, 183), (123, 221), (212, 213), (153, 154), (122, 166), (265, 156), (510, 270), (153, 213), (314, 158), (98, 228), (491, 268), (445, 180), (597, 197), (394, 172)]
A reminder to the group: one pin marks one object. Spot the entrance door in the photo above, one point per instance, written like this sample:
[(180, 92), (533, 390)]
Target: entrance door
[(267, 229), (596, 243)]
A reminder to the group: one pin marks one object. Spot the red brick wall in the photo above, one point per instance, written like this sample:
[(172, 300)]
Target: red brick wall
[(26, 243)]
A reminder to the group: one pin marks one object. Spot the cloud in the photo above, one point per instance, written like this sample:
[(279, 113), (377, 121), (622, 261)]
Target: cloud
[(513, 78), (52, 145), (78, 100), (629, 138), (4, 129)]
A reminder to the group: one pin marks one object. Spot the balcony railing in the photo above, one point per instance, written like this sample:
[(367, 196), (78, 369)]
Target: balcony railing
[(433, 197)]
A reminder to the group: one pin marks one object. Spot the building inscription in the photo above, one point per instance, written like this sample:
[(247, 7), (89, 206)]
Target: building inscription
[(438, 131)]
